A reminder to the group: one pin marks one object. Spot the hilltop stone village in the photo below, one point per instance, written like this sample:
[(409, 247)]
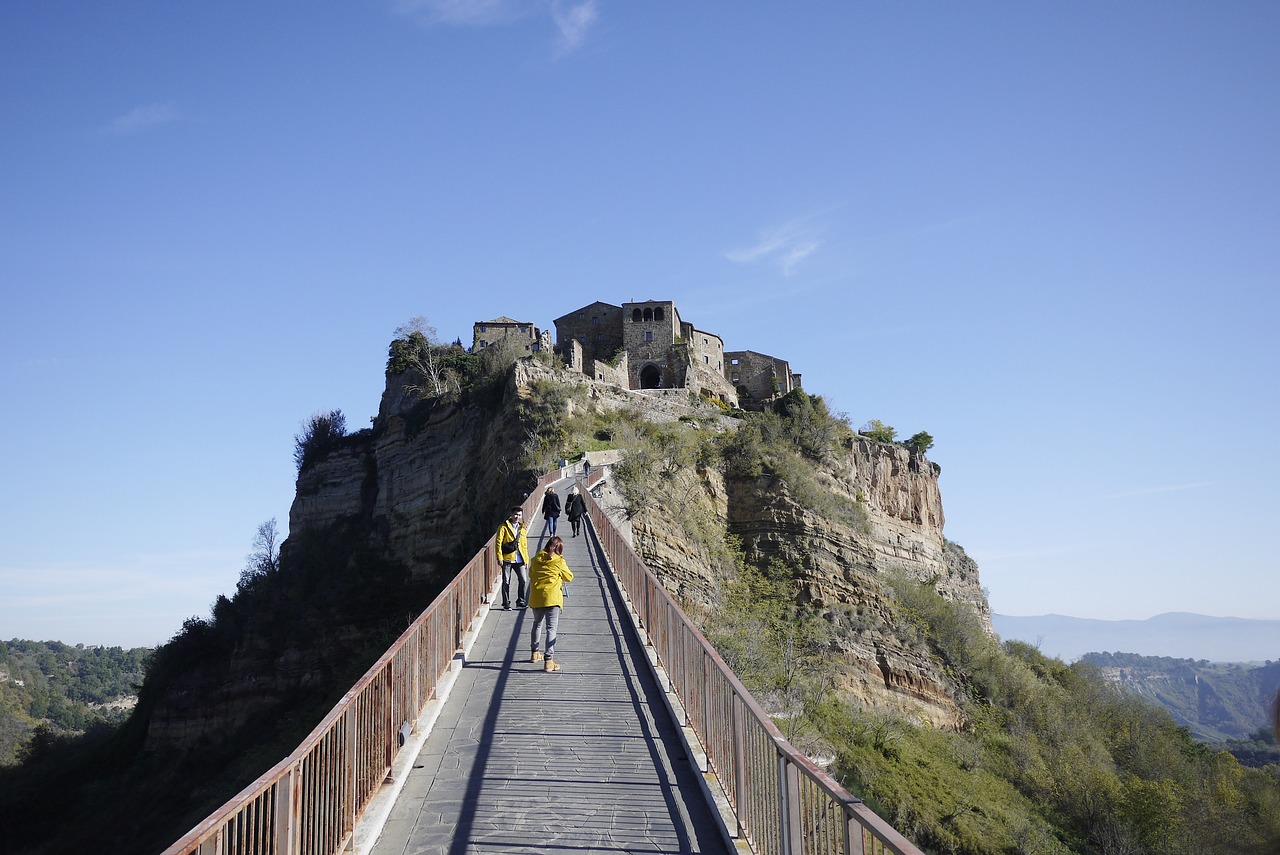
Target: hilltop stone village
[(646, 345)]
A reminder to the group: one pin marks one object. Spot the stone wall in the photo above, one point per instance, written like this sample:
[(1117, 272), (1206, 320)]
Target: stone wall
[(487, 334), (765, 377), (649, 342), (605, 372), (706, 375), (598, 328)]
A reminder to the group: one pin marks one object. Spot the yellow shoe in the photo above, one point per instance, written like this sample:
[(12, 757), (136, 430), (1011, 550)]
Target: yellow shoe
[(550, 666), (537, 656)]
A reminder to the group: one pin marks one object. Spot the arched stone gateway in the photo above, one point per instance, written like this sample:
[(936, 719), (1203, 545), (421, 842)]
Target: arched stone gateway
[(650, 377)]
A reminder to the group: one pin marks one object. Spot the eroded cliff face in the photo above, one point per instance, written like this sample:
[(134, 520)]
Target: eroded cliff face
[(845, 569), (377, 527)]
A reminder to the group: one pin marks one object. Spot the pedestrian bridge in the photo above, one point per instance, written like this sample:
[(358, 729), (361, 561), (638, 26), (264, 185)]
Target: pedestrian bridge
[(455, 743)]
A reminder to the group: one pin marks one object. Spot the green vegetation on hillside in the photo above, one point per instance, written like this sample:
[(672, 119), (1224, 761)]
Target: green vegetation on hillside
[(1219, 702), (49, 690), (1053, 758)]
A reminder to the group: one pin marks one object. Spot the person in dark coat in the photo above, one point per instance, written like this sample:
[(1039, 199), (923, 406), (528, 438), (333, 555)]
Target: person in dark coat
[(575, 509), (550, 510)]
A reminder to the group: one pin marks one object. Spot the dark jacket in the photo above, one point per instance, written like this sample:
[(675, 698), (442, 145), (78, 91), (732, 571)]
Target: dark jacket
[(551, 505), (576, 507)]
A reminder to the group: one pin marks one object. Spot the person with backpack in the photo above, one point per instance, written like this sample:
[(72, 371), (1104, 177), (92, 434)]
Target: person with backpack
[(512, 544)]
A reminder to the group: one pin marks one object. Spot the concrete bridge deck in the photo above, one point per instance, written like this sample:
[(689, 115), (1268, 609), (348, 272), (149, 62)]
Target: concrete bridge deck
[(585, 760)]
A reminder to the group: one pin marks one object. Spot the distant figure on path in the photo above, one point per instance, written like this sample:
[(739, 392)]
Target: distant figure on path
[(512, 544), (586, 467), (547, 578), (550, 510), (575, 508)]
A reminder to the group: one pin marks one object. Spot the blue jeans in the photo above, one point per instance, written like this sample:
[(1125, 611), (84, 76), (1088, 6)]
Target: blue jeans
[(551, 524), (551, 617)]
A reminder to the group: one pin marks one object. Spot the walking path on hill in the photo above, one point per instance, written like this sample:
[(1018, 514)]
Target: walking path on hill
[(584, 760)]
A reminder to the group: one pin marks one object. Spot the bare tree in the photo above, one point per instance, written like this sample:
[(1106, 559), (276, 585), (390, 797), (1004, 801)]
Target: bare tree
[(422, 357), (265, 558)]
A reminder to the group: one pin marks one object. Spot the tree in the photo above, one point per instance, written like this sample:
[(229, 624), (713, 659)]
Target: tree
[(265, 558), (920, 442), (417, 349), (319, 435), (879, 431)]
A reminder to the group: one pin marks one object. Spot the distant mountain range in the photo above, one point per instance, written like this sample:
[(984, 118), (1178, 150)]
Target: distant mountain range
[(1180, 635)]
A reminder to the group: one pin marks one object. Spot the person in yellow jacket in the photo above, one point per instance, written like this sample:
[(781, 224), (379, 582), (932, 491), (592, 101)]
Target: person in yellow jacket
[(547, 576), (512, 544)]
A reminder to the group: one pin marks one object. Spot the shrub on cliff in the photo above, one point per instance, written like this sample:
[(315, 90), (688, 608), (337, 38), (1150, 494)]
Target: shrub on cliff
[(879, 431), (320, 434), (809, 426)]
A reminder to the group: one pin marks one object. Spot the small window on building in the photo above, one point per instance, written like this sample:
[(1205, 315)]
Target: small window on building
[(733, 378), (484, 343), (595, 322), (636, 316), (704, 342), (481, 327), (648, 335), (706, 359), (733, 361), (648, 314), (657, 314)]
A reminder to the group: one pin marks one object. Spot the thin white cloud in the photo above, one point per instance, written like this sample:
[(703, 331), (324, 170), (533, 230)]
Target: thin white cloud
[(144, 118), (1153, 491), (788, 245), (463, 13), (573, 21)]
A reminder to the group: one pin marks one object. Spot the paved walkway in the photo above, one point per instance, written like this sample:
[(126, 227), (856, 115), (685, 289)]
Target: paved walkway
[(585, 760)]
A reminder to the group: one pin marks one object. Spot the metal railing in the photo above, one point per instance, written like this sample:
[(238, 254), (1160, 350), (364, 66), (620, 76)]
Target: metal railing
[(309, 802), (782, 802)]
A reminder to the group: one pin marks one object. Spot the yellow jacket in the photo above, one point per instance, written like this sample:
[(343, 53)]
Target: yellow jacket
[(507, 544), (547, 575)]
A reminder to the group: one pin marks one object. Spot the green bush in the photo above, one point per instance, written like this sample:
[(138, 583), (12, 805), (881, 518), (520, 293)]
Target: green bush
[(878, 431), (320, 435)]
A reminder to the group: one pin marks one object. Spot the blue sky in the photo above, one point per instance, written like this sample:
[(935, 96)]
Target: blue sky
[(1045, 233)]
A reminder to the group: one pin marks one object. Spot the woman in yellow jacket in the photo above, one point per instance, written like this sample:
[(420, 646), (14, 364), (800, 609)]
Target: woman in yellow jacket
[(547, 576)]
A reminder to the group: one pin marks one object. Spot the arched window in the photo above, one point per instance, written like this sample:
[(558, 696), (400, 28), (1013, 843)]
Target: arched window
[(635, 316), (648, 314), (657, 314), (650, 377)]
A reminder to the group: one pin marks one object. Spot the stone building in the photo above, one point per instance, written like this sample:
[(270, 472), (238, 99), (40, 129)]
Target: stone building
[(758, 377), (644, 345), (522, 334)]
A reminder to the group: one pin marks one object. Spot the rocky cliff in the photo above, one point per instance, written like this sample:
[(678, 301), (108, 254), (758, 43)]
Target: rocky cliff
[(406, 502), (846, 568)]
